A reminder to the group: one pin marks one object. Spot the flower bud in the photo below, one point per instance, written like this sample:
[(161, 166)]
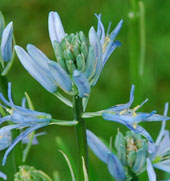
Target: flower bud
[(68, 55), (84, 49), (70, 66), (131, 150), (61, 62), (72, 52), (30, 173), (80, 62)]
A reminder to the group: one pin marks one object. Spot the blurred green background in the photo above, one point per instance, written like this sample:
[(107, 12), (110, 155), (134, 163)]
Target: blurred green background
[(31, 26)]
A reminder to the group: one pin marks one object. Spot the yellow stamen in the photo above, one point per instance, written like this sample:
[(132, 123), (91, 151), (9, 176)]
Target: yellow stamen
[(122, 112), (134, 125), (135, 108), (10, 111), (106, 41)]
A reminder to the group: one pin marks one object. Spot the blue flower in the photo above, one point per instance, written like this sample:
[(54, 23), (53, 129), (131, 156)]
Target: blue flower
[(104, 154), (21, 118), (160, 150), (130, 118), (79, 60)]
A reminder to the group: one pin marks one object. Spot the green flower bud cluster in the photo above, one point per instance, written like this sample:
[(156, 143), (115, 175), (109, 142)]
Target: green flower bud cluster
[(27, 173), (132, 151), (71, 53)]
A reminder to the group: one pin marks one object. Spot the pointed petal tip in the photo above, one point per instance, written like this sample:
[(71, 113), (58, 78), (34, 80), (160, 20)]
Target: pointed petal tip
[(118, 43), (92, 29), (17, 47), (29, 45), (10, 24)]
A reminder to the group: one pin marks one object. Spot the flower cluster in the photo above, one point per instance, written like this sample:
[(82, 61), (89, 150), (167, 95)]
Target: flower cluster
[(79, 60)]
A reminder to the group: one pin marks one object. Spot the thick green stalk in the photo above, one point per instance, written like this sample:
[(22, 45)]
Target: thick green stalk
[(137, 45), (81, 136), (134, 177)]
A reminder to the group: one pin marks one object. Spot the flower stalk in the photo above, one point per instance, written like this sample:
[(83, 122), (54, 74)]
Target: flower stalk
[(137, 44), (81, 136)]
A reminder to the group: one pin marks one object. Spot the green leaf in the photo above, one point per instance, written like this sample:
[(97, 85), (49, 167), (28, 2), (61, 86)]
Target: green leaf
[(64, 99), (69, 165), (85, 170)]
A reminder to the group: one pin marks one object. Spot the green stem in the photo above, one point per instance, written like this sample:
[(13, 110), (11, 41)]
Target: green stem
[(133, 176), (81, 136), (137, 46)]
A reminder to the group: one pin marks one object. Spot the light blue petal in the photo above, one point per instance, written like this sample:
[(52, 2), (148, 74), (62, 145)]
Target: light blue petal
[(151, 148), (95, 42), (10, 94), (115, 167), (6, 42), (82, 83), (105, 58), (142, 131), (13, 126), (39, 57), (100, 29), (115, 32), (23, 103), (100, 150), (163, 165), (157, 117), (61, 77), (163, 125), (36, 71), (91, 63), (6, 118), (5, 139), (35, 140), (107, 53), (19, 138), (150, 170), (164, 145), (121, 107), (142, 116), (30, 113), (17, 118), (55, 27), (43, 62), (111, 45), (2, 175), (3, 99)]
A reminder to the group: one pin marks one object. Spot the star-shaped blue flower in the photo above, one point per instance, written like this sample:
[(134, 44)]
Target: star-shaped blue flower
[(22, 118), (130, 118)]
